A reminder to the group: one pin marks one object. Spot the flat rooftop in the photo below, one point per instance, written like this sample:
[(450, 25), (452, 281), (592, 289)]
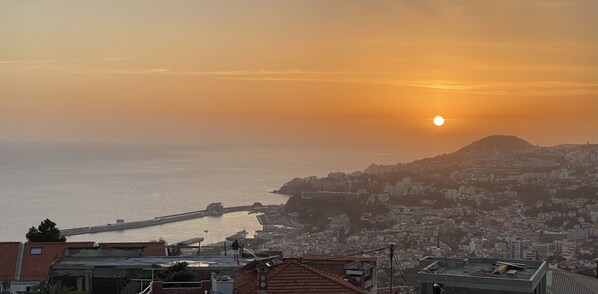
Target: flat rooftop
[(485, 268), (208, 262), (482, 267), (483, 273)]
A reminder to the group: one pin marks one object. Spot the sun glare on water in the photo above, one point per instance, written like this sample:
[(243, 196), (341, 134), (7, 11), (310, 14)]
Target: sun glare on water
[(439, 120)]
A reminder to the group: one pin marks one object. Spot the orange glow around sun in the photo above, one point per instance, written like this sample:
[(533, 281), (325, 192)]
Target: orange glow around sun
[(173, 72), (438, 120)]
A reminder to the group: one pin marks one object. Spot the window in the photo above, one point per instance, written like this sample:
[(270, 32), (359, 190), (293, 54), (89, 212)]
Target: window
[(35, 251)]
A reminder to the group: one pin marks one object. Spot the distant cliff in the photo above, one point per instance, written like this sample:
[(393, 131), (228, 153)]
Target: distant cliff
[(499, 155), (294, 186)]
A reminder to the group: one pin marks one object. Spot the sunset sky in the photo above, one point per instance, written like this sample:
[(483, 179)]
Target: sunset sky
[(352, 73)]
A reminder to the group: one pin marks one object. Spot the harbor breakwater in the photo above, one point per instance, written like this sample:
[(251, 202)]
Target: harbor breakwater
[(213, 209)]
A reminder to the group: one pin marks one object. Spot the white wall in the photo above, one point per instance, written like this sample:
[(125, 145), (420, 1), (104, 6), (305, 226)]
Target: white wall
[(20, 286)]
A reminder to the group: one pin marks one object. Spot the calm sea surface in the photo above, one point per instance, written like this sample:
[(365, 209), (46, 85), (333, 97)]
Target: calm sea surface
[(83, 185)]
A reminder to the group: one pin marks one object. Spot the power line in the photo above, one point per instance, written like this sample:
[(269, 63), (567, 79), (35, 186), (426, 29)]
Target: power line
[(348, 255), (398, 263)]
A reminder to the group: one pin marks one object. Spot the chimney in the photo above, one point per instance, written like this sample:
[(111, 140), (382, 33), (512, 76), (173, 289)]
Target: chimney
[(262, 278)]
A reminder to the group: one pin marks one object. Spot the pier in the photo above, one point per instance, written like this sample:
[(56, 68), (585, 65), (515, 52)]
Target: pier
[(213, 209)]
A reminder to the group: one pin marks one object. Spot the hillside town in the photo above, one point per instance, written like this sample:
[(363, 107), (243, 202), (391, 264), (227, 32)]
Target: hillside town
[(505, 199), (499, 207)]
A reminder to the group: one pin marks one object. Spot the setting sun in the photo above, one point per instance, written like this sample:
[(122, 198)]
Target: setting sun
[(439, 120)]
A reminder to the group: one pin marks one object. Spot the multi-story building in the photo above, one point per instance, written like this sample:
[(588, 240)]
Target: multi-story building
[(481, 276), (515, 249)]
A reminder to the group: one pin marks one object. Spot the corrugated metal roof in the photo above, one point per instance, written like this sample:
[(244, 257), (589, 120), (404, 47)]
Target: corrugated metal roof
[(149, 248), (560, 281)]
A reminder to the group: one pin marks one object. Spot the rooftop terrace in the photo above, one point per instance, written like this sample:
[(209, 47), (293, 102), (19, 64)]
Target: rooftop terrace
[(483, 267), (485, 273), (208, 262)]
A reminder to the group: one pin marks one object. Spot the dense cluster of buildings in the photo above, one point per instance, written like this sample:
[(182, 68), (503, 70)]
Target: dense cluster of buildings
[(563, 229), (136, 268), (481, 220), (524, 203)]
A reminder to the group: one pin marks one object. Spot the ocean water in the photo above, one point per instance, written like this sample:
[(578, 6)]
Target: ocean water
[(90, 184)]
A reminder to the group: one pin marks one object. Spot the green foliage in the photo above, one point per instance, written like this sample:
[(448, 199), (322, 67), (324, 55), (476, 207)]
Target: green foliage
[(530, 193), (53, 288), (316, 211), (295, 187), (45, 232), (174, 251), (581, 192), (177, 272), (452, 236)]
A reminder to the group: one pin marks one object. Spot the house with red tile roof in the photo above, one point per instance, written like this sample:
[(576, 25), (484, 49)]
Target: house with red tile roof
[(9, 255), (270, 275), (359, 270), (37, 258), (23, 265), (290, 275)]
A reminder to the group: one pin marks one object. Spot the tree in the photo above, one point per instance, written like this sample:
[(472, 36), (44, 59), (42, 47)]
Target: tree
[(177, 272), (45, 232), (52, 288)]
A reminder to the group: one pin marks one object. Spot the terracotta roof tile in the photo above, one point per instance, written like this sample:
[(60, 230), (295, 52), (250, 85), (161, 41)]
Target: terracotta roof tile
[(333, 264), (9, 255), (337, 269), (35, 265), (293, 277)]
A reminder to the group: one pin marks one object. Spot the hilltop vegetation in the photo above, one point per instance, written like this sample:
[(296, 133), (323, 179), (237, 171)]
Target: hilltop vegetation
[(498, 167)]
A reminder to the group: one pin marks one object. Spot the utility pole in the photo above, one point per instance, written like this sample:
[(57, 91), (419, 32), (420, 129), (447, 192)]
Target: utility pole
[(392, 250)]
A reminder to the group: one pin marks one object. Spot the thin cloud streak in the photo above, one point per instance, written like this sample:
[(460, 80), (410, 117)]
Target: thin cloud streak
[(158, 70), (544, 88), (536, 88), (480, 44), (261, 72), (27, 61), (72, 70)]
